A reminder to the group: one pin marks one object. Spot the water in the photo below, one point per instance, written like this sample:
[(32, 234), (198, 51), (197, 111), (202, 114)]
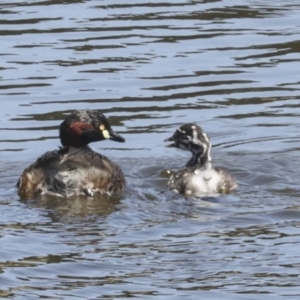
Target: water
[(232, 67)]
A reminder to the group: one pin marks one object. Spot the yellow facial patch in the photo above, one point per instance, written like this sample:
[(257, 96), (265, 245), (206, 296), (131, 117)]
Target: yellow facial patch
[(106, 134)]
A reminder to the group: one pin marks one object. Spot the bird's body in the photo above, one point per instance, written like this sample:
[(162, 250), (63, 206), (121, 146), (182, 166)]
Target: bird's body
[(75, 168), (201, 181)]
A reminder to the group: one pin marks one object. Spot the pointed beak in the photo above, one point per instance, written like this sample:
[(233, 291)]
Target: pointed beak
[(170, 139), (116, 137)]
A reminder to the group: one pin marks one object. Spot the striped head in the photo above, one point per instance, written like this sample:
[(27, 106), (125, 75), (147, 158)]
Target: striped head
[(192, 138)]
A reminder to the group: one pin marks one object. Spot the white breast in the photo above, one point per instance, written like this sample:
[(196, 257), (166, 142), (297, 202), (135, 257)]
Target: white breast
[(205, 181)]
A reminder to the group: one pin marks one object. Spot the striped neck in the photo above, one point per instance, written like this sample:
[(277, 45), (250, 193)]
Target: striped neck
[(201, 156)]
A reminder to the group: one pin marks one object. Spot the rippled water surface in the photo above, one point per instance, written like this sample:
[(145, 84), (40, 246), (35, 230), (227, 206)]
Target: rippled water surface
[(150, 66)]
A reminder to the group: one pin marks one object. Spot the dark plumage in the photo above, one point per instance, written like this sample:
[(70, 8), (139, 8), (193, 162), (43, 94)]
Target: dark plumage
[(199, 177), (75, 168)]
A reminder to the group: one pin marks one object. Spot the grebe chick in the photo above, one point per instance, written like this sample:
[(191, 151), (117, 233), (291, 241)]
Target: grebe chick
[(199, 177)]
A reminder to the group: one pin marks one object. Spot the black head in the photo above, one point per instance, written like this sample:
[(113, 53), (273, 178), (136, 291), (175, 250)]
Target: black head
[(192, 138), (82, 127)]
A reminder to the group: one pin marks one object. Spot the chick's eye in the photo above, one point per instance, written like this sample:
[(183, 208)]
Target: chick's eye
[(185, 138)]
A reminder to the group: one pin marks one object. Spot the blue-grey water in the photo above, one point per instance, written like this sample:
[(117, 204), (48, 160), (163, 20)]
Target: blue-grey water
[(231, 66)]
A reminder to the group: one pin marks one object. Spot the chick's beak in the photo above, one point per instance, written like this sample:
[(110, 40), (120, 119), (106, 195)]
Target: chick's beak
[(170, 139)]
